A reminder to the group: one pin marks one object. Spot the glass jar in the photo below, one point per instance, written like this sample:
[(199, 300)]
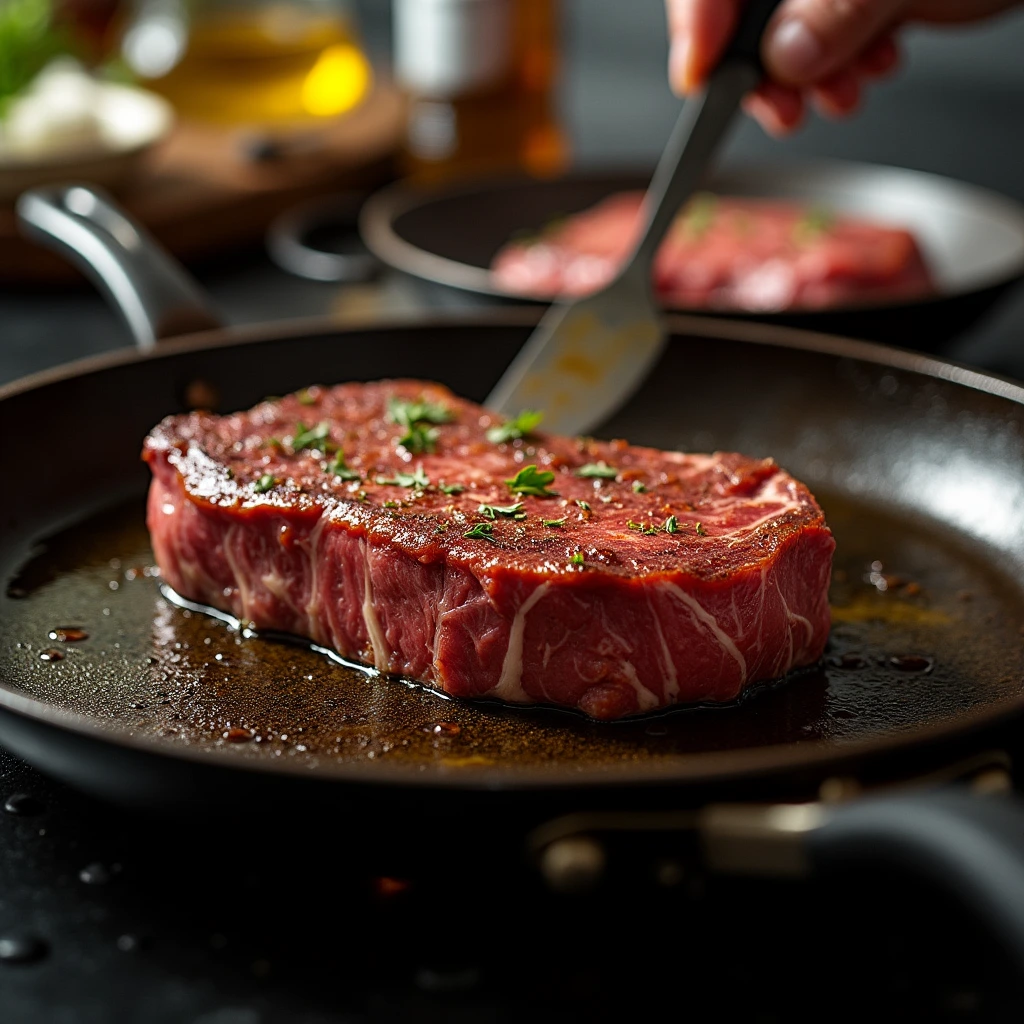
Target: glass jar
[(480, 76), (265, 62)]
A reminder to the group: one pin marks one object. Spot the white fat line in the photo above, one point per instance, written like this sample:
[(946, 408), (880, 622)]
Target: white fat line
[(312, 608), (792, 617), (510, 685), (373, 630), (645, 699), (671, 678), (243, 591), (712, 623)]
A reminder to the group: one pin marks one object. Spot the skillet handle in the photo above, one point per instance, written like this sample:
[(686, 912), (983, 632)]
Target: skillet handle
[(156, 297), (970, 847)]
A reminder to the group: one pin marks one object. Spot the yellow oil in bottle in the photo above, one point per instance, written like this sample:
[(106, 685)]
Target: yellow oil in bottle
[(271, 66), (506, 121)]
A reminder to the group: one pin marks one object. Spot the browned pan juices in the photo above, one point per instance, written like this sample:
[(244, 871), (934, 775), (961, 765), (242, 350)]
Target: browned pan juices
[(952, 623)]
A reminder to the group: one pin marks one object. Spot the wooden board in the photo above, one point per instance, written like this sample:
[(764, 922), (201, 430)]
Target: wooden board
[(207, 189)]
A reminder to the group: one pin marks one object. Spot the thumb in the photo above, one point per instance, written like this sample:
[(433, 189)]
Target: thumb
[(809, 39)]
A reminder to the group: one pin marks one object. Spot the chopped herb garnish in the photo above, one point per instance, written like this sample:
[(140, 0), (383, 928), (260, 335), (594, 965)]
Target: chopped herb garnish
[(701, 531), (671, 525), (310, 437), (555, 522), (525, 423), (230, 473), (361, 497), (417, 479), (305, 398), (481, 531), (531, 481), (647, 531), (441, 527), (509, 511), (418, 438), (639, 488), (340, 468), (598, 471), (700, 214), (273, 442), (451, 488), (815, 223), (577, 558), (265, 483), (392, 504), (405, 414), (585, 505)]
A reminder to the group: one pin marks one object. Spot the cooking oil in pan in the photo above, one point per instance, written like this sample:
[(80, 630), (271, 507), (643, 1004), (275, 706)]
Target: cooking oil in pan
[(924, 631)]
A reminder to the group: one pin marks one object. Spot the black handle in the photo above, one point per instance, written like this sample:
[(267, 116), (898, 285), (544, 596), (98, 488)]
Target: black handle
[(156, 297), (969, 846), (746, 42)]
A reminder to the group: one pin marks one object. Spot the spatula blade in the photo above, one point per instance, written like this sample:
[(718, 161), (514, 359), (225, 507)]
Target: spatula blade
[(606, 345)]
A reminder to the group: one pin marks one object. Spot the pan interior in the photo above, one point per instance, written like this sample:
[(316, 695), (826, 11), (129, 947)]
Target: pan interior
[(924, 631)]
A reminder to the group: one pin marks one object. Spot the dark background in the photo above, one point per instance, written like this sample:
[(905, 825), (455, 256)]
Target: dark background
[(261, 917)]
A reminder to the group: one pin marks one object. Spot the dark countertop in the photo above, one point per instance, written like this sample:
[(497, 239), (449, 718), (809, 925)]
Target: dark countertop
[(156, 920)]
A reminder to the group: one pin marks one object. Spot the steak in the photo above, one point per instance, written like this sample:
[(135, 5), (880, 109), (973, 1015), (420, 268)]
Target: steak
[(410, 529)]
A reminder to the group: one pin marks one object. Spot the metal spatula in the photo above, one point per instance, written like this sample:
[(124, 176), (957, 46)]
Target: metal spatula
[(587, 357)]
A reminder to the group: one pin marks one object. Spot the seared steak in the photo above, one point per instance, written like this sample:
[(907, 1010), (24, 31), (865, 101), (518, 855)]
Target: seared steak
[(408, 528)]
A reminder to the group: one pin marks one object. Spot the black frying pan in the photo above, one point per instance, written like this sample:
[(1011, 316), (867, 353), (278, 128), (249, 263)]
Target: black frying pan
[(918, 463), (973, 239)]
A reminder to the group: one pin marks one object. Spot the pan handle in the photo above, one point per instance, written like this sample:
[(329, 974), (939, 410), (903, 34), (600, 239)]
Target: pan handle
[(969, 847), (156, 297)]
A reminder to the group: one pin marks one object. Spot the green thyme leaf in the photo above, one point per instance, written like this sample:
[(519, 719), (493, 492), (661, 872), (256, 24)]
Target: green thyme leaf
[(417, 479), (405, 414), (577, 558), (305, 398), (701, 531), (310, 437), (671, 525), (816, 222), (509, 511), (555, 522), (598, 471), (340, 468), (647, 531), (481, 531), (531, 481), (700, 214), (392, 504), (418, 439), (451, 488), (585, 505), (265, 483), (523, 424), (639, 488)]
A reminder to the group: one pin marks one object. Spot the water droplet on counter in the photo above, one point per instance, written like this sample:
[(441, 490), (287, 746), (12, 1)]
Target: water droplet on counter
[(237, 735), (51, 654), (912, 662), (94, 874), (21, 949), (22, 804), (68, 634)]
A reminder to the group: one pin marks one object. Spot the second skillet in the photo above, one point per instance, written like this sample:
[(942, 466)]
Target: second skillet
[(972, 239), (919, 465)]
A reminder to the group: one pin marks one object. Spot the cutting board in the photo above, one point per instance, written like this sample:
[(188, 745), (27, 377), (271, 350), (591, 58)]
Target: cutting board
[(207, 190)]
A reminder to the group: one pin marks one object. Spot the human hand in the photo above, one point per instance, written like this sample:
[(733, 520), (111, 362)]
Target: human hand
[(815, 51)]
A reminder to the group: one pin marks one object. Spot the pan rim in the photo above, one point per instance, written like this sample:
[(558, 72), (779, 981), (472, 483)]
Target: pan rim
[(380, 212), (708, 767)]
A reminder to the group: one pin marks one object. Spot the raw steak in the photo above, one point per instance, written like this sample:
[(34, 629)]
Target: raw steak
[(381, 520), (725, 254)]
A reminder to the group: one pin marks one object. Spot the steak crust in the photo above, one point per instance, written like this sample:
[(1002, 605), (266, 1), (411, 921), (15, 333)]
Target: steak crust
[(646, 578)]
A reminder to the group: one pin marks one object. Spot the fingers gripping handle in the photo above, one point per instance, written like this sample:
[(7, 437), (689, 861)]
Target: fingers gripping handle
[(156, 297)]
